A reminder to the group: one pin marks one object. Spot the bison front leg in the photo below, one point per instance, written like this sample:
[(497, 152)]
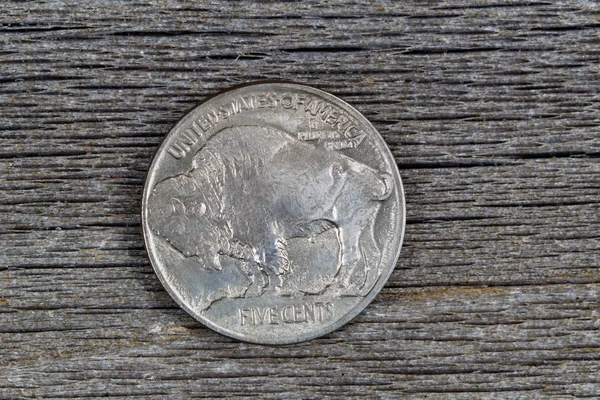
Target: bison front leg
[(274, 256)]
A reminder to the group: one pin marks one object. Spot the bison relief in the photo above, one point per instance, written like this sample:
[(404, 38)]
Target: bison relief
[(251, 189)]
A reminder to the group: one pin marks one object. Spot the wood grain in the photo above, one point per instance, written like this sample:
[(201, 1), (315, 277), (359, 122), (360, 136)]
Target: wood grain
[(490, 108)]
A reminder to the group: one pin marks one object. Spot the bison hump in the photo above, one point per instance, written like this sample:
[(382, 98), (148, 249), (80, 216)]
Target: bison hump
[(241, 142)]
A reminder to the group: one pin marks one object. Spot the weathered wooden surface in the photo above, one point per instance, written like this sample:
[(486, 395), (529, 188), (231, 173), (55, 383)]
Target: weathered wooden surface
[(490, 107)]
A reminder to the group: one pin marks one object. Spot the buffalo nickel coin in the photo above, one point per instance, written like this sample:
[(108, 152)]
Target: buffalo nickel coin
[(273, 213)]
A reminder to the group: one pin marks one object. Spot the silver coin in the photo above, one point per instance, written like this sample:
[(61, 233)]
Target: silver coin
[(273, 213)]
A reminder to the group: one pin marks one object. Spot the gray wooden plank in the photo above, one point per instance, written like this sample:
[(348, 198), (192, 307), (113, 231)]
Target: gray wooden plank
[(490, 109)]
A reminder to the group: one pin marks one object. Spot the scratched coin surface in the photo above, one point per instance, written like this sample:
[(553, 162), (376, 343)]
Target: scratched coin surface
[(273, 213)]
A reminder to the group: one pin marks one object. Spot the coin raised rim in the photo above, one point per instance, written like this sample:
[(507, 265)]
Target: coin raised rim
[(386, 270)]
